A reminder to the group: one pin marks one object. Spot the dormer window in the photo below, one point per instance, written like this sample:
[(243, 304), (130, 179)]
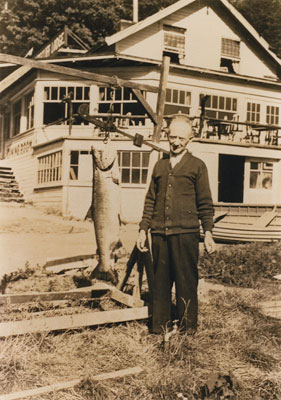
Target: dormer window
[(174, 42), (230, 55)]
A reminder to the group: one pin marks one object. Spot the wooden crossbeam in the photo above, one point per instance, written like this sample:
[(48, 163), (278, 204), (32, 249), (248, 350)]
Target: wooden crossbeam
[(164, 74), (147, 107), (90, 76), (74, 321), (88, 292), (70, 384), (74, 294)]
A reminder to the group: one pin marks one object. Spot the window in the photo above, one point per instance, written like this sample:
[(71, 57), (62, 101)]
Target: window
[(121, 101), (177, 101), (55, 108), (16, 117), (261, 175), (253, 112), (133, 166), (272, 115), (29, 110), (174, 42), (220, 107), (74, 163), (230, 55), (50, 167), (230, 48)]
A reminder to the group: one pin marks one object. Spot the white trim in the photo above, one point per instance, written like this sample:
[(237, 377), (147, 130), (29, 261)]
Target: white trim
[(177, 6), (147, 21), (250, 28)]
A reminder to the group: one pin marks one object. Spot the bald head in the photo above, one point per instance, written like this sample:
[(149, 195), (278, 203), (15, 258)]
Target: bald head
[(180, 133)]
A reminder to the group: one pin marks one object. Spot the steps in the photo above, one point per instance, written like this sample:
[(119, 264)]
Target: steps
[(9, 188)]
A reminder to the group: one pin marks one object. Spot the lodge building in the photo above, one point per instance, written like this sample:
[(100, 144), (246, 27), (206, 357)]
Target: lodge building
[(215, 54)]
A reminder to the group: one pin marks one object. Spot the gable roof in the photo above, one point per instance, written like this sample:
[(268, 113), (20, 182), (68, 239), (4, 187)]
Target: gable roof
[(118, 36)]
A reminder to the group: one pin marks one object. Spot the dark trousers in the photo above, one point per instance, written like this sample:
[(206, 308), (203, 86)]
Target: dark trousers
[(175, 259)]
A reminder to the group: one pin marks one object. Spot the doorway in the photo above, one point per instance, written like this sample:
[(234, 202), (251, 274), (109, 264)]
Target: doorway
[(231, 178)]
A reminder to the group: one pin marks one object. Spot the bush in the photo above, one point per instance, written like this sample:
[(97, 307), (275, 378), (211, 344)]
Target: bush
[(245, 265)]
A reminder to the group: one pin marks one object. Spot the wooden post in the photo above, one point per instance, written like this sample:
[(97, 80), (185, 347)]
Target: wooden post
[(164, 73)]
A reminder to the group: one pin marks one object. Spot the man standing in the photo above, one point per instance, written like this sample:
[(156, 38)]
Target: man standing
[(178, 197)]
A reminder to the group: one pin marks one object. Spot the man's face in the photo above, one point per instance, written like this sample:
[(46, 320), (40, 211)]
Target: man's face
[(179, 135)]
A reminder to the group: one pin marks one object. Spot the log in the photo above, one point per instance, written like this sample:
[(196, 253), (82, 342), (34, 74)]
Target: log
[(164, 74), (75, 321), (91, 76), (13, 77), (75, 294), (64, 265), (126, 299), (66, 385), (60, 261), (147, 107)]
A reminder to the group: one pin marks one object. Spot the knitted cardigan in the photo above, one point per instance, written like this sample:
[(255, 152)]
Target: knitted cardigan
[(178, 198)]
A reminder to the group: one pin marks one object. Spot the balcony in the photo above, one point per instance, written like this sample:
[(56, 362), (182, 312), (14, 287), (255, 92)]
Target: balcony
[(235, 132)]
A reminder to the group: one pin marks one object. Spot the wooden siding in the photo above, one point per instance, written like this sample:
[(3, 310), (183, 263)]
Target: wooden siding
[(204, 30), (25, 171), (48, 198)]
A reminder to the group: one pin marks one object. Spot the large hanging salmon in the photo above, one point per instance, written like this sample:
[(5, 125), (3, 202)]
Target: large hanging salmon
[(106, 202)]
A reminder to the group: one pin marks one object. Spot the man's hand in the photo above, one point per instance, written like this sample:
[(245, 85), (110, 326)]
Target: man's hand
[(141, 241), (209, 243)]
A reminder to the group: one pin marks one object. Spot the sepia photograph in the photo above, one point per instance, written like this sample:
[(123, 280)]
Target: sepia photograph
[(140, 199)]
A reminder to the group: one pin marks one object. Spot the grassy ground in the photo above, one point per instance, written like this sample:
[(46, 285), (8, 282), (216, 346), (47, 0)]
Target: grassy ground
[(234, 355)]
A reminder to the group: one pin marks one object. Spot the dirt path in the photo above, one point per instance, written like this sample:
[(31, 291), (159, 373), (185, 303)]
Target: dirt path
[(27, 234)]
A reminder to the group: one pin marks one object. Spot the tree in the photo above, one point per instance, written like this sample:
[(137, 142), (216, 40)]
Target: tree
[(265, 16), (31, 23)]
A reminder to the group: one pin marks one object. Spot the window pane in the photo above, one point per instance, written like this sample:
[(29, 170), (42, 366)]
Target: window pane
[(79, 93), (228, 103), (253, 179), (135, 176), (254, 165), (62, 92), (125, 175), (267, 166), (169, 95), (54, 93), (73, 172), (136, 159), (53, 111), (215, 102), (102, 94), (144, 176), (221, 103), (118, 94), (74, 157), (182, 97), (145, 159), (70, 92), (175, 96), (46, 93), (127, 93), (125, 159), (86, 93)]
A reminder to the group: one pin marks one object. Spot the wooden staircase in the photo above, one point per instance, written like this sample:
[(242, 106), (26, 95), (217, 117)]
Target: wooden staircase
[(9, 188)]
